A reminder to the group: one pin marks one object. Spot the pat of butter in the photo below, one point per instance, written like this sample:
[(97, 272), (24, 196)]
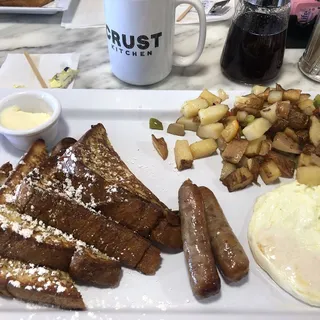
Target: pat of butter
[(15, 119)]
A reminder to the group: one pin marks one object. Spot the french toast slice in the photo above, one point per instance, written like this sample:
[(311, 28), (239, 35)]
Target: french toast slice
[(110, 200), (56, 209), (62, 146), (30, 241), (73, 217), (34, 158), (95, 152), (5, 170), (42, 285), (55, 250)]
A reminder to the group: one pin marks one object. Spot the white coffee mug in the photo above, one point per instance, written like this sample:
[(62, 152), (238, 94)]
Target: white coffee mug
[(140, 38)]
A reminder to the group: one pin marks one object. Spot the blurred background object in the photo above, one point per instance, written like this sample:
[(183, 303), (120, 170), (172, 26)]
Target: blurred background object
[(303, 16), (309, 63)]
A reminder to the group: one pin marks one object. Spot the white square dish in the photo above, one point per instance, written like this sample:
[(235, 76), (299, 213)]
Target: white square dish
[(167, 295)]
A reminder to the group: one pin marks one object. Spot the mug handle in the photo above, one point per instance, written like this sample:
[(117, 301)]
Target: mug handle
[(181, 61)]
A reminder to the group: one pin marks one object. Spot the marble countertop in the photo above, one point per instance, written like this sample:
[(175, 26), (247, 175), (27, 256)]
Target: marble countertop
[(43, 34)]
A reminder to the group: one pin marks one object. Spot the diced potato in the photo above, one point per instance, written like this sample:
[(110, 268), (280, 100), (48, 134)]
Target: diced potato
[(291, 134), (314, 131), (266, 146), (241, 100), (307, 106), (212, 130), (210, 97), (279, 87), (191, 108), (230, 131), (315, 160), (249, 102), (309, 175), (161, 146), (221, 144), (243, 162), (256, 129), (176, 129), (196, 119), (227, 168), (212, 114), (238, 179), (254, 147), (283, 109), (270, 113), (183, 155), (304, 96), (291, 95), (241, 116), (304, 160), (264, 95), (285, 164), (283, 143), (275, 96), (203, 149), (235, 151), (269, 172), (227, 120), (222, 95), (190, 124), (254, 167), (258, 89)]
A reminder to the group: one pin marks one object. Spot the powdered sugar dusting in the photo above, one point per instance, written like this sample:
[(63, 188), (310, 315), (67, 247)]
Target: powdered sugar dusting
[(27, 227), (31, 277), (15, 283)]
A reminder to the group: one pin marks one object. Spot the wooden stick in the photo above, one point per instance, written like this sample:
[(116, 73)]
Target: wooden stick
[(184, 13), (35, 70)]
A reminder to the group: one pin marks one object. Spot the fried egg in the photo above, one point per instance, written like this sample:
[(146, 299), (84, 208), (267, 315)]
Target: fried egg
[(284, 237)]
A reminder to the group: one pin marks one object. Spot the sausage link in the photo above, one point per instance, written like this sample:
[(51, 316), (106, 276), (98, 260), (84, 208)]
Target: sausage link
[(203, 274), (228, 252)]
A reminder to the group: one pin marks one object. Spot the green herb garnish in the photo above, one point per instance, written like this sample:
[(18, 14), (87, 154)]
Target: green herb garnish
[(155, 124)]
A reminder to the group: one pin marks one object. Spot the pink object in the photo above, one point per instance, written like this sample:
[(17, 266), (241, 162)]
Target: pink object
[(305, 10)]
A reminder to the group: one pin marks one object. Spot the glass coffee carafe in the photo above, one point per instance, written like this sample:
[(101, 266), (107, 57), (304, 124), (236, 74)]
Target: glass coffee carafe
[(254, 49)]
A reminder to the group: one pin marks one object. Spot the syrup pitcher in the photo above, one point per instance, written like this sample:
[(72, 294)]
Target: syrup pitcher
[(254, 49)]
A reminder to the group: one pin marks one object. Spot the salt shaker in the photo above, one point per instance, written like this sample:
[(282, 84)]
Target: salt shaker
[(309, 63)]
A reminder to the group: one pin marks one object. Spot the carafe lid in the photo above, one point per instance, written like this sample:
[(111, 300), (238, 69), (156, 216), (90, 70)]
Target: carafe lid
[(268, 3)]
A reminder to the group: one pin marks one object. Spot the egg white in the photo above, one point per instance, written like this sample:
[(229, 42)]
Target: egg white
[(284, 237)]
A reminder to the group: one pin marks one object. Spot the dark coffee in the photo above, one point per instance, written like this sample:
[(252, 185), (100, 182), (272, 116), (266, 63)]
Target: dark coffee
[(254, 49)]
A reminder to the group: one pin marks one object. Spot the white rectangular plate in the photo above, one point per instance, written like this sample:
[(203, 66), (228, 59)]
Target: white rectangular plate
[(51, 8), (167, 295)]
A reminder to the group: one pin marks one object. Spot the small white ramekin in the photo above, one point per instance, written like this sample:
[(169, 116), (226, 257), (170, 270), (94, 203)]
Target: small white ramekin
[(32, 101)]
